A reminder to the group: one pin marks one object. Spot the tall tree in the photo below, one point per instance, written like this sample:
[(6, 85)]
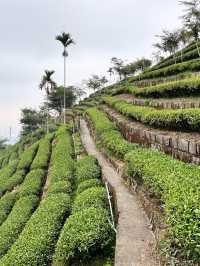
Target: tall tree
[(56, 101), (117, 66), (111, 72), (66, 40), (48, 85), (96, 83), (184, 38), (191, 19), (169, 42), (30, 120)]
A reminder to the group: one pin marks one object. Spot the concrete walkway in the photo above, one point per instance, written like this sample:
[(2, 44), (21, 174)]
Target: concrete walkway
[(135, 241)]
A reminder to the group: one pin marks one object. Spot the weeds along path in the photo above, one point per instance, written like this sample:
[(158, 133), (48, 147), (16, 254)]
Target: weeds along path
[(135, 241)]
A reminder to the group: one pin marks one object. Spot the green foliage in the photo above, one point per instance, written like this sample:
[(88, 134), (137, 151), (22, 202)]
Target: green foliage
[(42, 158), (32, 184), (84, 185), (188, 87), (28, 156), (181, 119), (109, 136), (14, 224), (87, 168), (62, 162), (60, 187), (192, 65), (35, 244), (9, 183), (92, 197), (177, 185), (84, 235), (6, 204), (78, 146), (8, 170)]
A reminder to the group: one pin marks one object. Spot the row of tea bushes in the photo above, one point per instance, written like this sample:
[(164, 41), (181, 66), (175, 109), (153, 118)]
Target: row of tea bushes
[(28, 157), (15, 222), (35, 244), (186, 119), (41, 159), (110, 138), (87, 232), (6, 204), (177, 185), (191, 65), (187, 87)]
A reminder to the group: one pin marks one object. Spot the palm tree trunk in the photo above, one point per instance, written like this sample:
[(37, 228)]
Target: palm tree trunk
[(47, 117), (64, 113)]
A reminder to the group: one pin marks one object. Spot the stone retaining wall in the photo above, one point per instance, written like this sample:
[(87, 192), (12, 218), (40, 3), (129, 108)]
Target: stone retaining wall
[(187, 150)]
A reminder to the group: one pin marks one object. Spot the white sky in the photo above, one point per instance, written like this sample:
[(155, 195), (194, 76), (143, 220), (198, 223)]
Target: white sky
[(101, 29)]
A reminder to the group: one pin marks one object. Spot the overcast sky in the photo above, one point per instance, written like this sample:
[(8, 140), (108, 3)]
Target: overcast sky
[(101, 29)]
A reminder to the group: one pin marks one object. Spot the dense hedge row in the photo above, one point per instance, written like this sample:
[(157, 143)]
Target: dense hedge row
[(28, 156), (62, 157), (6, 204), (84, 185), (193, 54), (186, 119), (8, 170), (86, 232), (33, 183), (107, 133), (9, 183), (35, 244), (191, 47), (192, 65), (42, 158), (87, 168), (188, 87), (177, 184), (14, 224)]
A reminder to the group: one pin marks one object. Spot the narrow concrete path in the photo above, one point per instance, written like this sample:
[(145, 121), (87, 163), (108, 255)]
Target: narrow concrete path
[(135, 241)]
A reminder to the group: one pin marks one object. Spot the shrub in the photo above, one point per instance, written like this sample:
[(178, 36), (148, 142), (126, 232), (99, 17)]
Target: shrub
[(32, 184), (186, 119), (60, 187), (107, 133), (87, 168), (42, 158), (28, 156), (192, 65), (35, 244), (92, 197), (6, 204), (177, 185), (84, 234), (9, 183), (14, 224), (188, 87), (62, 157), (8, 170), (88, 184)]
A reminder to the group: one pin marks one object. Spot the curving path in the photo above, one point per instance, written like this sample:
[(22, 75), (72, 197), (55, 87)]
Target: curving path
[(135, 241)]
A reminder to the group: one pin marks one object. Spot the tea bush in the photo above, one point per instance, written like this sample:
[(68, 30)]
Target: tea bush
[(84, 185), (6, 204), (28, 156), (14, 224), (180, 119)]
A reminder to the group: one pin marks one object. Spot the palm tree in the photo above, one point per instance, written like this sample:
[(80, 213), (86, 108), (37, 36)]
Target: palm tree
[(48, 85), (66, 40), (191, 19), (111, 72)]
